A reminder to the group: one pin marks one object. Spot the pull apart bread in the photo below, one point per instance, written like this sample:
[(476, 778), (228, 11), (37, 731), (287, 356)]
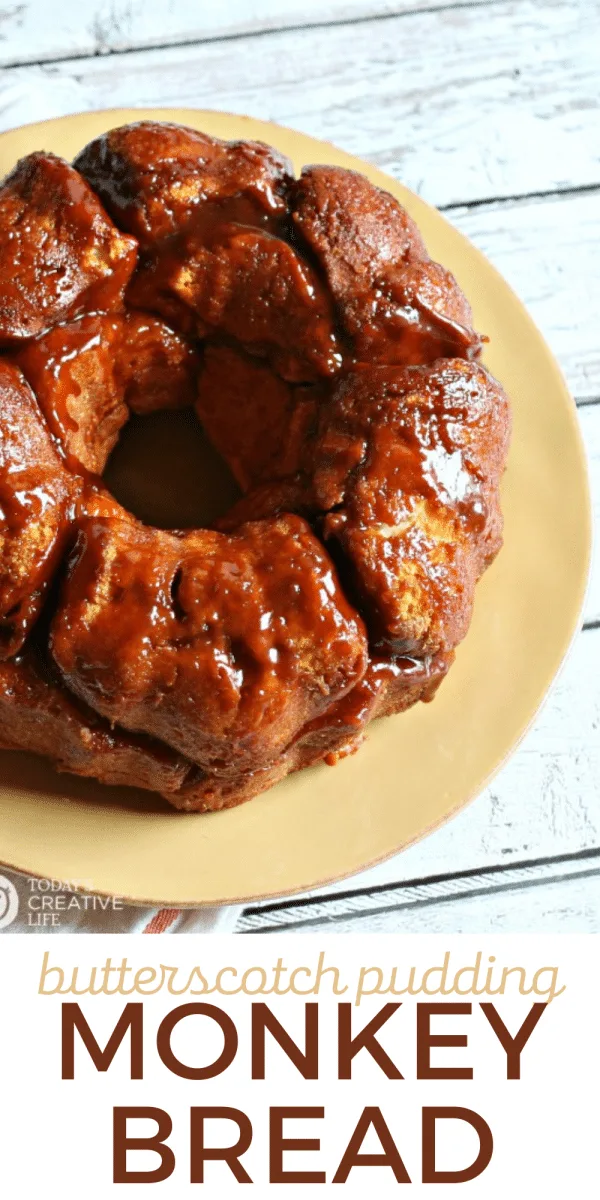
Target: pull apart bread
[(333, 366)]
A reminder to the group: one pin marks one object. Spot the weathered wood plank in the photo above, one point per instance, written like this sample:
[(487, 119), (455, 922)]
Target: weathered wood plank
[(517, 112), (543, 803), (589, 418), (35, 31), (566, 905), (394, 901), (549, 251)]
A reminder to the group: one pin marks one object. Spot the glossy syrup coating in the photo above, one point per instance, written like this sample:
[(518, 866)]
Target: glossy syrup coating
[(88, 374), (407, 466), (71, 369), (388, 686), (401, 479), (39, 715), (418, 316), (157, 367), (256, 420), (271, 498), (333, 375), (396, 304), (154, 176), (150, 289), (245, 283), (223, 647), (35, 498), (60, 252)]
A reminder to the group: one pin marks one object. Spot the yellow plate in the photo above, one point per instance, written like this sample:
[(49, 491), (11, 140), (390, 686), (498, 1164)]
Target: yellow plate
[(415, 770)]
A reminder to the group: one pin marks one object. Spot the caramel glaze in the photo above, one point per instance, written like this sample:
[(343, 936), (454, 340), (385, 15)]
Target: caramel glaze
[(222, 258), (254, 419), (407, 466), (38, 713), (335, 380), (157, 367), (396, 305), (251, 631), (154, 177), (36, 493), (88, 374), (401, 479), (387, 687), (60, 252), (71, 369), (237, 281)]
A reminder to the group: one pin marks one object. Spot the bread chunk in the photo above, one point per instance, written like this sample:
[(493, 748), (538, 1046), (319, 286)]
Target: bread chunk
[(406, 472), (90, 373), (71, 369), (257, 421), (35, 498), (60, 253), (154, 177), (223, 647), (245, 284), (157, 367), (395, 303), (39, 715)]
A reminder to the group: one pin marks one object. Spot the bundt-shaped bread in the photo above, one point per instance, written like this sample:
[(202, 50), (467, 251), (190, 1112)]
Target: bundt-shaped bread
[(331, 364)]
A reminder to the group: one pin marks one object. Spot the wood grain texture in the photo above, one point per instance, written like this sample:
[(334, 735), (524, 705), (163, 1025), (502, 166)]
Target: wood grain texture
[(549, 251), (565, 904), (589, 418), (35, 31), (403, 902), (462, 106)]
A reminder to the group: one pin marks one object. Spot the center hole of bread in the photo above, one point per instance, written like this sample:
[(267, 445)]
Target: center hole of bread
[(165, 471)]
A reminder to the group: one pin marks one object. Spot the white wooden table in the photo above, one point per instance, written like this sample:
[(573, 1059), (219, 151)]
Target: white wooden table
[(490, 110)]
